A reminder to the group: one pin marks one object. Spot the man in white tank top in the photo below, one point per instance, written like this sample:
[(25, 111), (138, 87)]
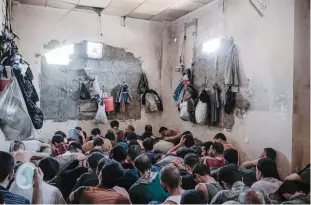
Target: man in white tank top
[(170, 180)]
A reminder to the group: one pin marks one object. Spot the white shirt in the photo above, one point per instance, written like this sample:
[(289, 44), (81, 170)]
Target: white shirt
[(50, 194), (175, 199)]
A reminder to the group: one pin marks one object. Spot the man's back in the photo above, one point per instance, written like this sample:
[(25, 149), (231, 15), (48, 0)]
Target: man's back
[(147, 190), (22, 156), (229, 195), (50, 194)]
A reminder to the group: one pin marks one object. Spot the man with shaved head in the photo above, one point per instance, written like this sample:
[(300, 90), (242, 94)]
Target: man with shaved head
[(170, 181)]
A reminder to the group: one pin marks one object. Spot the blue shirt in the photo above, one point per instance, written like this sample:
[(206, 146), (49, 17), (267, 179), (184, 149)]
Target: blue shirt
[(11, 198)]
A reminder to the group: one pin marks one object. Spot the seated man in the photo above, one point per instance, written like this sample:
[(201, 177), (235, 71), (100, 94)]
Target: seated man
[(185, 146), (251, 196), (302, 175), (20, 155), (148, 133), (217, 151), (100, 166), (205, 148), (90, 178), (267, 176), (104, 192), (221, 138), (37, 146), (94, 134), (119, 154), (231, 177), (6, 175), (188, 181), (193, 197), (58, 145), (292, 195), (249, 175), (170, 180), (148, 145), (206, 183), (74, 152), (267, 153), (50, 194), (98, 143), (130, 175), (170, 135), (148, 188)]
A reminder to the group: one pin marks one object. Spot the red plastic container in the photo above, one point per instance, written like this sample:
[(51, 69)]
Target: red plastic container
[(109, 103)]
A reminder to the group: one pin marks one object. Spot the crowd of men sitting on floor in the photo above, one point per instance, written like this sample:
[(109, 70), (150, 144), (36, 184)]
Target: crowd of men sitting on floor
[(124, 168)]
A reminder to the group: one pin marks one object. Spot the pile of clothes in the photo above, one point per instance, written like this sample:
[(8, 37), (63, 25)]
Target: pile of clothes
[(205, 108), (150, 97)]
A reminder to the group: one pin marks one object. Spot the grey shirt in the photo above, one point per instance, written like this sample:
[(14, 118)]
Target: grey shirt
[(229, 195), (267, 185)]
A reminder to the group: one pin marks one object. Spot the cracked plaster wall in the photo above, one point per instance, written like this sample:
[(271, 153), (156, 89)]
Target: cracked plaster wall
[(265, 46), (266, 50), (40, 29)]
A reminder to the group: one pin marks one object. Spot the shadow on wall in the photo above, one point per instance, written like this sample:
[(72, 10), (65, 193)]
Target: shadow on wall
[(60, 84), (283, 164)]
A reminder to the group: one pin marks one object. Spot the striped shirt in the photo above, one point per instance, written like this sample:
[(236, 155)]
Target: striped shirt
[(11, 198)]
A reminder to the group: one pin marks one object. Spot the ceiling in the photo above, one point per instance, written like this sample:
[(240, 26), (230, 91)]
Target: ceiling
[(155, 10)]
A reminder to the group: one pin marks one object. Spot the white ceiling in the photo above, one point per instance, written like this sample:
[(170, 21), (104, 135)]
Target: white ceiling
[(155, 10)]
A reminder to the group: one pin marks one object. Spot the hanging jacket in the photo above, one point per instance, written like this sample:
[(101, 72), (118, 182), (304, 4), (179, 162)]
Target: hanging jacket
[(143, 84), (123, 98), (191, 110), (157, 99), (229, 101), (123, 93), (232, 69), (215, 105), (178, 91), (30, 96)]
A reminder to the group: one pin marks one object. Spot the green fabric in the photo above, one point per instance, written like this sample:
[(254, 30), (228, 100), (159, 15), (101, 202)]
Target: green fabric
[(144, 193), (305, 175)]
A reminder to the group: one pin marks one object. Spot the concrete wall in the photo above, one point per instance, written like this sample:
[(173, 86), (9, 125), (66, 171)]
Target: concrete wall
[(301, 86), (266, 51), (265, 45), (37, 26)]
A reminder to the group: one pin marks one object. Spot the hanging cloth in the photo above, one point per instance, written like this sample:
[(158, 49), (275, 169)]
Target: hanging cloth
[(232, 69), (229, 103), (156, 99), (143, 85), (123, 98), (215, 105), (201, 110), (30, 96)]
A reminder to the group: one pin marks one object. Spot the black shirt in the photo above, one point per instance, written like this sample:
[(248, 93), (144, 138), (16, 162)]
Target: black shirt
[(86, 179), (69, 176), (187, 182)]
